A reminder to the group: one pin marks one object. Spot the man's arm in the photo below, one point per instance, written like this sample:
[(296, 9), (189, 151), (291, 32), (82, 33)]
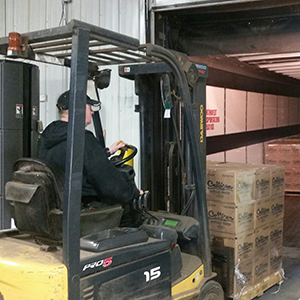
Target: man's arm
[(106, 179)]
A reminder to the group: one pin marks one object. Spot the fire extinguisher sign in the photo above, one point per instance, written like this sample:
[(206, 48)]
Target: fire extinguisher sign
[(19, 111)]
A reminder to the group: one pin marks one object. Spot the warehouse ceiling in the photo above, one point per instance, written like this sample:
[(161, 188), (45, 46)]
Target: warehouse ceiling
[(263, 34)]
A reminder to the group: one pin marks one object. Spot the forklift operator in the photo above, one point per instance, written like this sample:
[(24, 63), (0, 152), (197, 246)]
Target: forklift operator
[(102, 182)]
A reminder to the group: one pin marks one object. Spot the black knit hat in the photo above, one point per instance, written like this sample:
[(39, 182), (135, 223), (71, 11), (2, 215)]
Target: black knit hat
[(63, 102)]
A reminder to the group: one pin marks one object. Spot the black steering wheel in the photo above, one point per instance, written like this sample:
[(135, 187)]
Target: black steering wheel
[(119, 160)]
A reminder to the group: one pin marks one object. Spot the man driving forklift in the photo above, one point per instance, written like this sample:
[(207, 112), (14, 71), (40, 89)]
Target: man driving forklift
[(102, 182)]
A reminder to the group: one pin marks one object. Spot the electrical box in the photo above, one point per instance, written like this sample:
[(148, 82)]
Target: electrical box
[(19, 113)]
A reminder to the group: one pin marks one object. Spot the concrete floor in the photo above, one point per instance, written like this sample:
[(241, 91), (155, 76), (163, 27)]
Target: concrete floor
[(290, 288)]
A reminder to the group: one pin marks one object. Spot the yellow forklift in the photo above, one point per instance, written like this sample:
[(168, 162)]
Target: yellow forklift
[(61, 251)]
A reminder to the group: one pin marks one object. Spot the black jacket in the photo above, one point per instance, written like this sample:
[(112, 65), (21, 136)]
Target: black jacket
[(100, 177)]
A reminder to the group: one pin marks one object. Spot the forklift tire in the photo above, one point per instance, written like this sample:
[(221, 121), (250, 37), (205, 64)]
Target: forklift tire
[(211, 290)]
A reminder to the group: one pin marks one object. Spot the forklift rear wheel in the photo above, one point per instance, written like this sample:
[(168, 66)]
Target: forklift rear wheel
[(212, 290)]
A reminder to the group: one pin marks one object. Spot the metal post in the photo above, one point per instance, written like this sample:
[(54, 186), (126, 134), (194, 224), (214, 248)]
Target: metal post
[(74, 160), (194, 142)]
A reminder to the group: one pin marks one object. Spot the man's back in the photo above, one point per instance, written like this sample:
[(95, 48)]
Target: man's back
[(100, 177)]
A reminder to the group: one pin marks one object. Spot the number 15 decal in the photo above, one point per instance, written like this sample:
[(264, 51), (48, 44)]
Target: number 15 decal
[(153, 274)]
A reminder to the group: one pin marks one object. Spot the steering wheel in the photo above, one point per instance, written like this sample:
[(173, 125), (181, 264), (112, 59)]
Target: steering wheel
[(119, 160)]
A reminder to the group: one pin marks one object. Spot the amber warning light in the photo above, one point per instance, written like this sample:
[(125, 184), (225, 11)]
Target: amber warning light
[(14, 44)]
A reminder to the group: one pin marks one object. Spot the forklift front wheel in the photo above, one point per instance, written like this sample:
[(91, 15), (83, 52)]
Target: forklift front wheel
[(211, 290)]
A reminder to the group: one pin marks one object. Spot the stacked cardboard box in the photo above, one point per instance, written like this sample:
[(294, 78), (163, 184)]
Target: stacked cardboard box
[(245, 210), (286, 153)]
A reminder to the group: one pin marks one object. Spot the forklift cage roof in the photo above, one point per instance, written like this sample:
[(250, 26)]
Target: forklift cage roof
[(54, 46), (84, 48)]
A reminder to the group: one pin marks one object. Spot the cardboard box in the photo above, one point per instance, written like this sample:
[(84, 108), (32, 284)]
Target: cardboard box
[(292, 174), (260, 268), (277, 207), (296, 161), (271, 159), (271, 149), (277, 179), (288, 186), (285, 161), (243, 278), (296, 148), (228, 185), (262, 187), (242, 244), (283, 147), (262, 240), (275, 260), (276, 234), (230, 217), (295, 176), (295, 186), (261, 176), (262, 212)]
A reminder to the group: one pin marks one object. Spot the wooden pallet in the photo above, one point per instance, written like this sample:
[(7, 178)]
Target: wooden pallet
[(260, 288)]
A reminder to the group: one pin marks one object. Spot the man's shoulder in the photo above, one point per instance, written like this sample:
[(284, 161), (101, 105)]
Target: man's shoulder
[(90, 137), (89, 134), (57, 124)]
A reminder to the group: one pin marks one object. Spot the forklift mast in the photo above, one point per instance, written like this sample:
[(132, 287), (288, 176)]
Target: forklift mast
[(84, 48)]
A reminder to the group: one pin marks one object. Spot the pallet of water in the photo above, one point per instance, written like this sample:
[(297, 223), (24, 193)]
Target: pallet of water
[(245, 209)]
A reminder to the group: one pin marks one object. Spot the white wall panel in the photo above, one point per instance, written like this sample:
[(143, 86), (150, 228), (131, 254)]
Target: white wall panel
[(255, 105), (129, 14), (236, 155), (235, 120), (2, 18), (255, 154), (53, 13), (21, 20), (109, 14), (214, 111), (37, 15), (75, 9), (172, 4), (283, 111), (10, 16), (216, 157), (90, 12), (270, 111), (293, 111)]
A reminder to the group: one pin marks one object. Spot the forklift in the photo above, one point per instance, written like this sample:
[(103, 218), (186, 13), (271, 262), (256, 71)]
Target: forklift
[(61, 251)]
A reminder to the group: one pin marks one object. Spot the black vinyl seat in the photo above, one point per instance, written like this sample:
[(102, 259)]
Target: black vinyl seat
[(36, 193)]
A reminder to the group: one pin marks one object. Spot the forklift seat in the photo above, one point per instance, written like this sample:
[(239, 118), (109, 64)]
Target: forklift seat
[(36, 194)]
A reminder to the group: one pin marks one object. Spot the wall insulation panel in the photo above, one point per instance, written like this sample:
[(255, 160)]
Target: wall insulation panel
[(236, 155), (214, 111), (2, 17), (255, 106), (255, 154), (235, 120), (293, 111), (216, 157), (270, 111), (283, 111)]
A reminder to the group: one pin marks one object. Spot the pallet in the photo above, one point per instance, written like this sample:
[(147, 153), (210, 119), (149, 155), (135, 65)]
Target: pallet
[(291, 192), (260, 288)]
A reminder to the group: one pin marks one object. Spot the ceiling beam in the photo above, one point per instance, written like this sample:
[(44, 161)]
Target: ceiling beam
[(238, 44), (229, 72)]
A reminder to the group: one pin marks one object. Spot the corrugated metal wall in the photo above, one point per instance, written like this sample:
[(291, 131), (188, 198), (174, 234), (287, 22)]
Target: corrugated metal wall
[(118, 101)]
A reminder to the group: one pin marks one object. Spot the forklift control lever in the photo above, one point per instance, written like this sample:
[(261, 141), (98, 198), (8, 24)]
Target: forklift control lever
[(141, 202), (140, 205)]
